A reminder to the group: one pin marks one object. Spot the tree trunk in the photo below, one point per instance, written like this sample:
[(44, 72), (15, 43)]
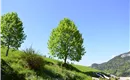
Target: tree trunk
[(65, 59), (7, 50)]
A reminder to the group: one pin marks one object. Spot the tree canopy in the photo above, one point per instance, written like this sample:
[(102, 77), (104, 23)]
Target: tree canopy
[(12, 33), (66, 41)]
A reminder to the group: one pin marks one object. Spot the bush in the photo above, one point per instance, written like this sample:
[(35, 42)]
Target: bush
[(34, 61)]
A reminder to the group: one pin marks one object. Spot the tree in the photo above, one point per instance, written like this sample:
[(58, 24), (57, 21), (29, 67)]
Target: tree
[(66, 41), (12, 34)]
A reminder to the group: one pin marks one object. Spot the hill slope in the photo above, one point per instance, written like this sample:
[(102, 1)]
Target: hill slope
[(15, 68), (119, 65)]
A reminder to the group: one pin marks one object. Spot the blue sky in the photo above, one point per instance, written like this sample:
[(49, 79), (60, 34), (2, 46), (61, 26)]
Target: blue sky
[(104, 24)]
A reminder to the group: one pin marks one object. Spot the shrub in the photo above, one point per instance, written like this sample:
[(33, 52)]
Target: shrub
[(34, 61)]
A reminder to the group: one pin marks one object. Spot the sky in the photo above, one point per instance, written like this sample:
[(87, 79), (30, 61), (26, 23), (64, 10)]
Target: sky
[(104, 24)]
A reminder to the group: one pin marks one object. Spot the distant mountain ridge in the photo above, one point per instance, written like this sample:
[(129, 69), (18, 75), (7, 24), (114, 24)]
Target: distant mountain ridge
[(119, 65)]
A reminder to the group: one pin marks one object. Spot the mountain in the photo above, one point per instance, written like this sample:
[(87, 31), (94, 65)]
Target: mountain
[(119, 65)]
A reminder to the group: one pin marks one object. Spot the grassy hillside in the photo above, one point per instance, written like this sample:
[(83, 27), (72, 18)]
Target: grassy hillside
[(16, 68)]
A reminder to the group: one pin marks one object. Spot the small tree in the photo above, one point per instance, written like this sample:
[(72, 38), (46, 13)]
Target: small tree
[(12, 34), (66, 42)]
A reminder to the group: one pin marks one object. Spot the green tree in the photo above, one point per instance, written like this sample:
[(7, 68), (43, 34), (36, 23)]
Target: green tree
[(12, 34), (66, 41)]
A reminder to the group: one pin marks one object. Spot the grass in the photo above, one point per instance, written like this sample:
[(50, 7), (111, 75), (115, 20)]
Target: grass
[(14, 67), (85, 68)]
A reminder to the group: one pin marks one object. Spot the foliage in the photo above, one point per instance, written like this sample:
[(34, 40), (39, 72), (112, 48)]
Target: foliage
[(66, 41), (17, 70), (12, 34), (34, 60)]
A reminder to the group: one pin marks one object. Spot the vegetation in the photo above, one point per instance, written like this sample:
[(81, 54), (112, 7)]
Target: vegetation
[(66, 42), (119, 66), (16, 67), (12, 34), (33, 60)]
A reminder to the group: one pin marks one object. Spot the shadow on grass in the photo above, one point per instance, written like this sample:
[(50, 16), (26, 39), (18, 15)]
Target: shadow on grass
[(48, 74), (89, 73), (68, 67), (52, 75), (49, 63), (7, 73)]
